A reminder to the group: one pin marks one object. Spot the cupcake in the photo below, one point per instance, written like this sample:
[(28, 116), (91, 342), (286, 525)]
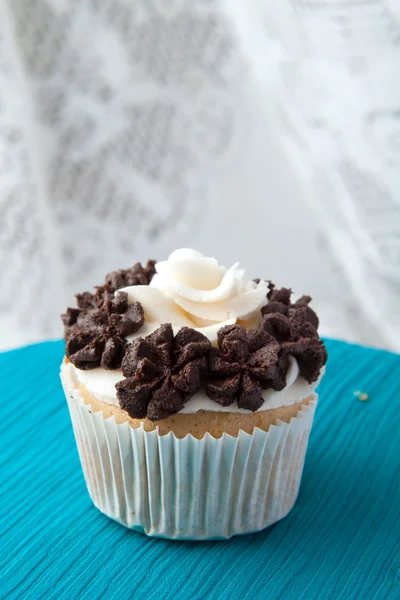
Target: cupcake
[(192, 394)]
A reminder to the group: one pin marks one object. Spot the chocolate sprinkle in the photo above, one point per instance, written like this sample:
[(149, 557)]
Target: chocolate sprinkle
[(162, 372)]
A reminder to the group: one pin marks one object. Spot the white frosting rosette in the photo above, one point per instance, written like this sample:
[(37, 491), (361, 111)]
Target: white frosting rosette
[(190, 289)]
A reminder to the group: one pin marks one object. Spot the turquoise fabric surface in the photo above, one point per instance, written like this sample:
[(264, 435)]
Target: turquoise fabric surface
[(342, 539)]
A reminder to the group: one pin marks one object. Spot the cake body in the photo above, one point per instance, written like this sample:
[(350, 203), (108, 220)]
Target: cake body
[(192, 396)]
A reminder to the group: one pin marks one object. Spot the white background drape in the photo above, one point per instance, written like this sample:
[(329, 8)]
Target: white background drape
[(256, 131)]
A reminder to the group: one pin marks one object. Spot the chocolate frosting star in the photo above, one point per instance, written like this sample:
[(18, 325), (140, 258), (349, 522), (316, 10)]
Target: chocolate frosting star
[(303, 320), (94, 332), (245, 363), (95, 336), (294, 326), (162, 372), (136, 275), (287, 320), (310, 353)]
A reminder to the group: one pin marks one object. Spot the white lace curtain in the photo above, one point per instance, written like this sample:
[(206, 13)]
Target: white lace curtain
[(259, 131)]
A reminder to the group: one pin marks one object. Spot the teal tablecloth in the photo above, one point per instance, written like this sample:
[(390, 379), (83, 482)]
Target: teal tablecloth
[(342, 539)]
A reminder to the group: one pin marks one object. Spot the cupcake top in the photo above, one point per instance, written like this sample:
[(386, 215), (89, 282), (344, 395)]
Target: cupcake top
[(187, 334)]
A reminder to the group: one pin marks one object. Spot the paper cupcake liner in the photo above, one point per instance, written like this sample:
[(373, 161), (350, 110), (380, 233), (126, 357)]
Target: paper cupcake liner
[(188, 488)]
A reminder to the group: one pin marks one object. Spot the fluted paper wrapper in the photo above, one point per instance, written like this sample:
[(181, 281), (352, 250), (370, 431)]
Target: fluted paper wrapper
[(188, 488)]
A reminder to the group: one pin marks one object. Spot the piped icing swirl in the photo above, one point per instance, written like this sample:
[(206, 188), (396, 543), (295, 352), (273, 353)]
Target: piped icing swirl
[(192, 290), (209, 294)]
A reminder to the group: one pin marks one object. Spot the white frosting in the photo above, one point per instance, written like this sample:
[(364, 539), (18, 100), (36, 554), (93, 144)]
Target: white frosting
[(209, 294), (159, 308), (101, 384), (192, 290)]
